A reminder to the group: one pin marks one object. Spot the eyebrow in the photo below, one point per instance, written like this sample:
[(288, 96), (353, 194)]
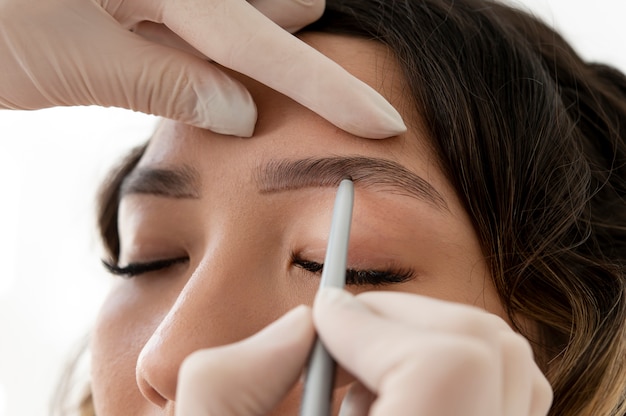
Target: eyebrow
[(183, 181), (381, 174), (180, 182)]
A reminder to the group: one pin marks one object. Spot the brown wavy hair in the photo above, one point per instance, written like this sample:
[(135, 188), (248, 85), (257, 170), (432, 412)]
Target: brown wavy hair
[(534, 141)]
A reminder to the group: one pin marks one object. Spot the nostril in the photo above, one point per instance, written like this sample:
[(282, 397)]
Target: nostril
[(156, 376), (148, 390), (158, 362)]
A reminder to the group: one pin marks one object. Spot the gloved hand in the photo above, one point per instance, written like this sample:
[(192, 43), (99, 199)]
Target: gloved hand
[(412, 355), (147, 55), (249, 377)]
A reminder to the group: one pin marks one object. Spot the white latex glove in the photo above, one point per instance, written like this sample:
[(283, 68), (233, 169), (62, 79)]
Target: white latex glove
[(249, 377), (147, 55), (423, 356), (419, 356)]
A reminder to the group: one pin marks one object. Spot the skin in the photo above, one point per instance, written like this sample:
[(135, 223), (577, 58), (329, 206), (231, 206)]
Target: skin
[(239, 277)]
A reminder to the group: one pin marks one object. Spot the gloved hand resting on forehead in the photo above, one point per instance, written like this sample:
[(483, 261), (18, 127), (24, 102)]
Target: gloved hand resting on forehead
[(150, 56)]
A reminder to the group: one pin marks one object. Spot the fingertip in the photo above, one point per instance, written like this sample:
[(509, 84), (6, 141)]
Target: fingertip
[(342, 99), (233, 378), (224, 107), (392, 123), (295, 323), (179, 86), (372, 118), (330, 300), (543, 396), (301, 313), (332, 296)]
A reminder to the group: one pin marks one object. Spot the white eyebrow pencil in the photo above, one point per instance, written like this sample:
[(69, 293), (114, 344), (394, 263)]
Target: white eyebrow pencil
[(318, 385)]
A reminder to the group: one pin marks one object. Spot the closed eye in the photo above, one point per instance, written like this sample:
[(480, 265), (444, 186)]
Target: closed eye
[(135, 269), (359, 277)]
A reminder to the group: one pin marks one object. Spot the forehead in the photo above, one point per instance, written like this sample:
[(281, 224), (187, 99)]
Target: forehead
[(287, 130)]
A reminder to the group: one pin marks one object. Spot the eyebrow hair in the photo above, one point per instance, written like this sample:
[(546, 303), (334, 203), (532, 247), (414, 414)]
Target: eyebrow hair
[(173, 182), (383, 174), (183, 182)]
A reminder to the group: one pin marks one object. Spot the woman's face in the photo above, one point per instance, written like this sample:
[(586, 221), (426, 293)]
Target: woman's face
[(244, 216)]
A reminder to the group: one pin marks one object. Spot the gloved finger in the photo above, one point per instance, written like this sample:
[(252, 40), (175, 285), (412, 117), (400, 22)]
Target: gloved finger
[(451, 317), (291, 15), (517, 383), (237, 36), (173, 84), (101, 63), (249, 377), (525, 390), (411, 371), (523, 382), (542, 395), (357, 401), (159, 33)]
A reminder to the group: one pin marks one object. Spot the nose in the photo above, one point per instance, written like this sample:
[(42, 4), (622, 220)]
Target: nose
[(225, 300)]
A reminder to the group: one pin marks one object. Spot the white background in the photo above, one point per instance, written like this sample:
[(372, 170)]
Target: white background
[(51, 162)]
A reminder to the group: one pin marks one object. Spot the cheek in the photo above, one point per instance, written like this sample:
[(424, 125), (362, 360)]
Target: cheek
[(211, 308), (125, 323)]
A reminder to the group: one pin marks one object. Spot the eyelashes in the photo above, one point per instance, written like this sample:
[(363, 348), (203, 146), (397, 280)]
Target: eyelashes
[(354, 277), (359, 277), (136, 269)]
